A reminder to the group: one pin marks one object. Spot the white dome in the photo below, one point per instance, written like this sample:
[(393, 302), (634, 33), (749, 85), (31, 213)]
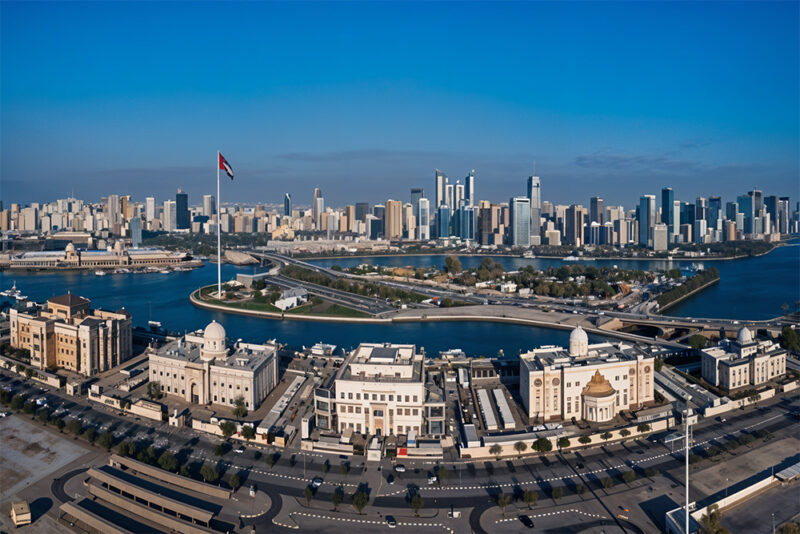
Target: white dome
[(578, 342), (744, 336), (214, 332), (70, 247)]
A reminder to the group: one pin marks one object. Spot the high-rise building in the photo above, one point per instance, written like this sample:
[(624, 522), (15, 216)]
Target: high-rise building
[(315, 210), (423, 219), (714, 212), (443, 221), (469, 189), (319, 209), (573, 225), (182, 211), (440, 187), (596, 211), (393, 221), (168, 216), (450, 197), (701, 209), (379, 211), (112, 211), (731, 209), (535, 198), (362, 210), (746, 207), (287, 205), (783, 215), (136, 231), (416, 194), (668, 209), (209, 206), (150, 208), (647, 220), (520, 208), (458, 196), (771, 207)]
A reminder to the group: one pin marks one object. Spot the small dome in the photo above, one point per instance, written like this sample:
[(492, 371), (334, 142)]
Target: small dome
[(214, 332), (70, 247), (598, 387), (578, 342), (744, 336)]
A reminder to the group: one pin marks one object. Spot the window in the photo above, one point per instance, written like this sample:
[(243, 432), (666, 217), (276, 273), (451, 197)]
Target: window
[(391, 398), (349, 409), (358, 409), (358, 396), (407, 399), (223, 400), (415, 399), (415, 411), (350, 396), (341, 395), (215, 398)]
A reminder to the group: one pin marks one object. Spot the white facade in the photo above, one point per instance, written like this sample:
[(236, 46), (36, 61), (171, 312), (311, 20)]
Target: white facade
[(743, 362)]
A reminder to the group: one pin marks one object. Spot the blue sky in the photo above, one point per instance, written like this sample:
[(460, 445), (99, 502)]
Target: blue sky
[(365, 100)]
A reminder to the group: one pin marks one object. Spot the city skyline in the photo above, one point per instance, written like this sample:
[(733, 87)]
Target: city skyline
[(292, 114)]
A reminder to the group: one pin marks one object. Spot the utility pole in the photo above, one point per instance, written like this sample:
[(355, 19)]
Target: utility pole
[(687, 421)]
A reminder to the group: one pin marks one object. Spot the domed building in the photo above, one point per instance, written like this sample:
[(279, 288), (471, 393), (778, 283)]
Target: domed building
[(578, 343), (590, 382), (744, 336), (201, 369), (743, 362)]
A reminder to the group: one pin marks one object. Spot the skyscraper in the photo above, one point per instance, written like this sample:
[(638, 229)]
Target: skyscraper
[(701, 209), (362, 210), (150, 208), (416, 194), (441, 183), (316, 208), (209, 207), (168, 221), (458, 196), (181, 211), (745, 206), (287, 205), (469, 189), (647, 220), (535, 198), (596, 211), (136, 231), (423, 219), (443, 221), (520, 212), (393, 222), (714, 212), (668, 210)]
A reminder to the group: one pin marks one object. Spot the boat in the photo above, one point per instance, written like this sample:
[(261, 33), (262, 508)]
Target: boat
[(572, 258), (165, 271), (13, 292), (100, 273)]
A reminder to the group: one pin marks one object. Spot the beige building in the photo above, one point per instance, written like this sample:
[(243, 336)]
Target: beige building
[(71, 258), (67, 333), (589, 382), (200, 368), (743, 362), (382, 389)]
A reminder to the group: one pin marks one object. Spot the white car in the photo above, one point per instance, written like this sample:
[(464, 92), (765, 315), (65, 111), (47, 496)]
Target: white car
[(5, 414), (317, 482), (239, 450), (400, 468)]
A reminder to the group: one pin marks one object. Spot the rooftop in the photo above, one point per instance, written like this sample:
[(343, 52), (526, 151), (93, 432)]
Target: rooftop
[(556, 357), (69, 300), (245, 356)]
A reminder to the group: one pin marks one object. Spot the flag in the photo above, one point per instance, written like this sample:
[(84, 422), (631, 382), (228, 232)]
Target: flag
[(225, 166)]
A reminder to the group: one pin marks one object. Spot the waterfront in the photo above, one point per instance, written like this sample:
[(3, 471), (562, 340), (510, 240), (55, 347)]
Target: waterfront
[(768, 280)]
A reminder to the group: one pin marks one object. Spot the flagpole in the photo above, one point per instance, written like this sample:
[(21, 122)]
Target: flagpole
[(219, 237)]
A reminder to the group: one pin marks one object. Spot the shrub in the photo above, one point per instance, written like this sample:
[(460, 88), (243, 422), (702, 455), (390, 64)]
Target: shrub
[(234, 482), (557, 493), (417, 502), (209, 473), (585, 440), (607, 482), (628, 477)]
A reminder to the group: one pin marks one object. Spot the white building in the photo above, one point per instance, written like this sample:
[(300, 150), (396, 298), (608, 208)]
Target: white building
[(200, 368), (743, 362), (382, 389), (590, 382)]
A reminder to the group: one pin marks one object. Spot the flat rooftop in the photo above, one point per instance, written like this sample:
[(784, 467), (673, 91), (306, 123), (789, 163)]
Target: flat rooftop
[(556, 357), (242, 356)]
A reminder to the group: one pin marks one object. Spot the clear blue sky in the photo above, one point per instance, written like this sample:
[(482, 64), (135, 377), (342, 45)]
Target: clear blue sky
[(365, 99)]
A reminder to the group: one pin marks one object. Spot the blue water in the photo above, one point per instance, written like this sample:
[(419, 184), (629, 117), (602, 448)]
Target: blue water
[(752, 288)]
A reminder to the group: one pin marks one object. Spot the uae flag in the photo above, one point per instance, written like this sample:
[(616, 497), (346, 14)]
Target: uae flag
[(225, 166)]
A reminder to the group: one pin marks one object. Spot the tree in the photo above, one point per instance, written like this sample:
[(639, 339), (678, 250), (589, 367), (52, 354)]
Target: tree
[(60, 424), (496, 450), (624, 432), (270, 459), (154, 390), (628, 477), (240, 409), (580, 489), (336, 498), (503, 500), (530, 497), (228, 428), (642, 428), (417, 503), (650, 472), (106, 440), (658, 364), (90, 434), (209, 473), (696, 341), (234, 482), (360, 499), (543, 445), (168, 462), (308, 493), (443, 474), (452, 264), (790, 528), (563, 443), (585, 440), (18, 401), (520, 447), (247, 432), (219, 450), (557, 493), (607, 482), (124, 449), (789, 339), (606, 436), (710, 523), (28, 372)]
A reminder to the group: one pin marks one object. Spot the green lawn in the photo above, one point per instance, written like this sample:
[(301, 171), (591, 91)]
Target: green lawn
[(244, 305), (326, 308)]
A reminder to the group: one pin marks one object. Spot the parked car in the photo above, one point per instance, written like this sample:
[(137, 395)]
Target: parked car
[(527, 521), (390, 520), (239, 449), (400, 468), (317, 482)]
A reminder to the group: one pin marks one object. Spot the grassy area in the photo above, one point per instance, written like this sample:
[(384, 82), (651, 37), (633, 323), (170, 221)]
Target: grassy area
[(327, 308), (243, 305)]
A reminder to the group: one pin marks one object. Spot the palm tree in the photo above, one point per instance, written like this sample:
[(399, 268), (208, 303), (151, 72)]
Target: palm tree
[(520, 447), (496, 450)]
